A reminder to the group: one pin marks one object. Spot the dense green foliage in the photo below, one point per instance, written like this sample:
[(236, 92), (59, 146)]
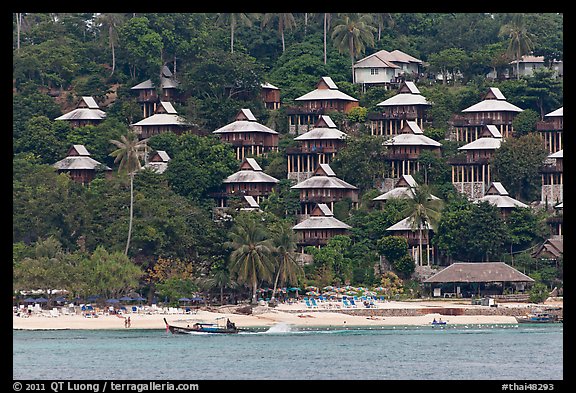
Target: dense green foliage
[(63, 231)]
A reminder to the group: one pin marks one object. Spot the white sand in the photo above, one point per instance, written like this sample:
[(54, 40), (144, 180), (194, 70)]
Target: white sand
[(267, 317)]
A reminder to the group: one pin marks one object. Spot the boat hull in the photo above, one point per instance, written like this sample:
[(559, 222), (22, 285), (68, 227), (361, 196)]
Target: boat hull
[(201, 329)]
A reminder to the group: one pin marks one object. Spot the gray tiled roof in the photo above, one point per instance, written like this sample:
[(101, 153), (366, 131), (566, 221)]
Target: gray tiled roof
[(478, 272)]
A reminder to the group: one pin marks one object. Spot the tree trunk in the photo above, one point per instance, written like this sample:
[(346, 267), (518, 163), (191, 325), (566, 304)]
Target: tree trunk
[(275, 285), (112, 47), (420, 248), (131, 212), (325, 28), (231, 38)]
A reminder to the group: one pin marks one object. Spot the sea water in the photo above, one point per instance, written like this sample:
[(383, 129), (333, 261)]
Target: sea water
[(459, 352)]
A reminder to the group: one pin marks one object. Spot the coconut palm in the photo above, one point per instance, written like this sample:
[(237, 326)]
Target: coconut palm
[(234, 20), (351, 34), (383, 19), (129, 152), (424, 213), (285, 21), (520, 40), (287, 268), (112, 22), (251, 258)]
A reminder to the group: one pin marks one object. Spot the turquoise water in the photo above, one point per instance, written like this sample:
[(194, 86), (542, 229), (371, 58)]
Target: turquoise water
[(475, 352)]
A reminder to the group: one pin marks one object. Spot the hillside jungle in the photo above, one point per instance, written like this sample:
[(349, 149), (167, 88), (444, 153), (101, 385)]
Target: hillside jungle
[(84, 239)]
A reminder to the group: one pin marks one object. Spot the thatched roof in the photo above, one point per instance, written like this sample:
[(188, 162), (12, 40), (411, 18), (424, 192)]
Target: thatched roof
[(476, 272)]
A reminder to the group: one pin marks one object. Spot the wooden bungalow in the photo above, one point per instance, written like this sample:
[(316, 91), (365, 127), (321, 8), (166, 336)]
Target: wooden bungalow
[(247, 136), (80, 166), (550, 130), (471, 173), (270, 95), (165, 119), (326, 97), (324, 187), (148, 96), (385, 68), (403, 152), (498, 196), (403, 189), (553, 179), (411, 232), (555, 222), (158, 161), (319, 228), (408, 105), (87, 112), (317, 146), (250, 180), (478, 278), (493, 109), (551, 249)]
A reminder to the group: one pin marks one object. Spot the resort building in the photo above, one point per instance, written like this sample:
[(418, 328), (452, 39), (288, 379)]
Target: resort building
[(407, 229), (403, 189), (552, 179), (493, 109), (324, 187), (408, 105), (325, 98), (165, 119), (158, 161), (319, 228), (555, 222), (471, 173), (551, 130), (403, 152), (148, 96), (87, 113), (385, 68), (247, 136), (250, 180), (317, 146), (470, 279), (551, 250), (497, 195), (80, 166), (270, 95)]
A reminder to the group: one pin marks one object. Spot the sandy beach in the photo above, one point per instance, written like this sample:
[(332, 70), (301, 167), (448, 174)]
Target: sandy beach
[(393, 313)]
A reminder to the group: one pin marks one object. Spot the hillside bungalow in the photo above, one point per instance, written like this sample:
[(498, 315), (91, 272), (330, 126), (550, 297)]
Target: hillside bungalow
[(250, 180), (158, 161), (403, 189), (497, 195), (148, 97), (386, 68), (403, 152), (317, 146), (80, 166), (471, 174), (270, 95), (411, 232), (493, 109), (555, 221), (551, 130), (551, 250), (319, 228), (87, 112), (324, 187), (165, 119), (326, 97), (477, 278), (407, 105), (247, 136), (553, 179)]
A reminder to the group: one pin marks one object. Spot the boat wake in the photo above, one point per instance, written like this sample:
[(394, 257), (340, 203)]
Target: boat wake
[(279, 328)]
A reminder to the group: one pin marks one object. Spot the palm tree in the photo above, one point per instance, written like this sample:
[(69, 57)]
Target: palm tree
[(234, 19), (424, 213), (351, 34), (285, 21), (520, 40), (251, 257), (128, 153), (288, 269), (112, 21), (383, 19)]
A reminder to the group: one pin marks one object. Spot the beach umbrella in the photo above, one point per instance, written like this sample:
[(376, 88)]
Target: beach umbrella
[(41, 300), (112, 301), (29, 300), (92, 298), (139, 299), (126, 298), (311, 288), (196, 299), (294, 289), (311, 293), (328, 288), (183, 299)]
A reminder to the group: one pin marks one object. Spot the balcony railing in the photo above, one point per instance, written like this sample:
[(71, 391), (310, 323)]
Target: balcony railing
[(548, 126)]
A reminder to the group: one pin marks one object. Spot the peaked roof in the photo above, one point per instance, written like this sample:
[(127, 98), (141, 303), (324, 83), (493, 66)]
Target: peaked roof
[(412, 127), (324, 128), (326, 89), (79, 158), (498, 196), (483, 143), (385, 59), (403, 189), (167, 81), (405, 225), (558, 154), (408, 94), (494, 101), (557, 113), (245, 121), (88, 102), (158, 161), (250, 172), (474, 272), (554, 247), (267, 85), (321, 218), (323, 177), (87, 109), (411, 139)]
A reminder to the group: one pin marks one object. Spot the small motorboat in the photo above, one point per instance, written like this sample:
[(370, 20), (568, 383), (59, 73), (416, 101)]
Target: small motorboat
[(539, 317), (200, 327), (439, 322)]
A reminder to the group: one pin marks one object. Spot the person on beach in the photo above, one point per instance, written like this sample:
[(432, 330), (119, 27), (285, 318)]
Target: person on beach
[(128, 322)]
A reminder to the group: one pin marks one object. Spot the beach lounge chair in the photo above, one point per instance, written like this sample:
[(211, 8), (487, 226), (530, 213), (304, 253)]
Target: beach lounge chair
[(54, 312), (353, 304), (346, 303), (314, 304), (307, 301)]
